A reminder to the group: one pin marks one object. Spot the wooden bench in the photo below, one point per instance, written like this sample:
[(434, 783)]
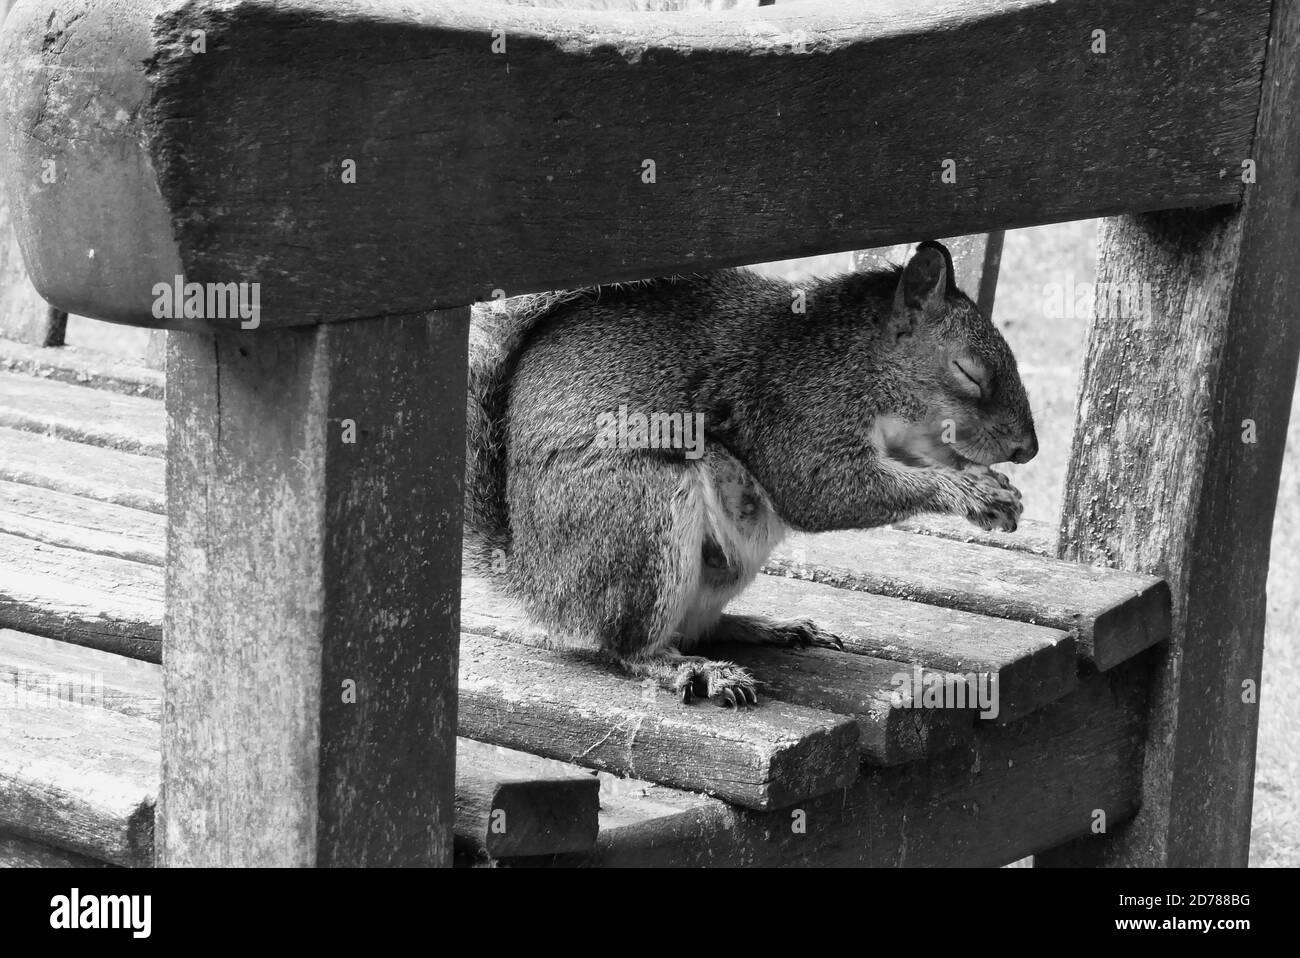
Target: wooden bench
[(309, 594)]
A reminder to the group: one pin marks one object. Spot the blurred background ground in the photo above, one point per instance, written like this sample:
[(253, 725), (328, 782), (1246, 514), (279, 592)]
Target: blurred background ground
[(1049, 351)]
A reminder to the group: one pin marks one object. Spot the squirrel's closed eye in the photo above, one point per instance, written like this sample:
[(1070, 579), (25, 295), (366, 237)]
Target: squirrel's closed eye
[(971, 378)]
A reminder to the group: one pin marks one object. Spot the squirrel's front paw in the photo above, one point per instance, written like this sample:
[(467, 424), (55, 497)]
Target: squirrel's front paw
[(993, 502), (723, 682)]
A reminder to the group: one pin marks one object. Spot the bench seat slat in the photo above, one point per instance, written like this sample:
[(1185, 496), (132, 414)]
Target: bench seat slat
[(86, 599), (551, 807), (129, 423), (1115, 614), (83, 367), (81, 470), (86, 525)]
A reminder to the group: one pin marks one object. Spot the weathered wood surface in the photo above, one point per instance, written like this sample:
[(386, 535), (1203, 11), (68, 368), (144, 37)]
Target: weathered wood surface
[(1031, 535), (313, 594), (1163, 477), (557, 705), (511, 804), (68, 364), (843, 683), (80, 675), (19, 852), (81, 470), (1005, 87), (1028, 786), (1115, 614), (84, 525), (1034, 665), (82, 778), (627, 804), (129, 423), (82, 598), (866, 687), (551, 807)]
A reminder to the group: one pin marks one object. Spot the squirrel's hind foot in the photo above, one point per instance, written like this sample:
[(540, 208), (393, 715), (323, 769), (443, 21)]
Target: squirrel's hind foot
[(723, 682), (691, 677)]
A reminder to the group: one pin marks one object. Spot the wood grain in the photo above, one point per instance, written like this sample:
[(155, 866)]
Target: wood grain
[(81, 675), (1162, 480), (511, 804), (82, 598), (1032, 535), (557, 705), (18, 852), (85, 367), (80, 470), (1034, 665), (1114, 614), (537, 152), (298, 563), (129, 423), (1022, 788), (857, 685), (84, 779), (84, 525)]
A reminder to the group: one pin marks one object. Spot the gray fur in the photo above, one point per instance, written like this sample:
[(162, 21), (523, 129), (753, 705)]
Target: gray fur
[(825, 420)]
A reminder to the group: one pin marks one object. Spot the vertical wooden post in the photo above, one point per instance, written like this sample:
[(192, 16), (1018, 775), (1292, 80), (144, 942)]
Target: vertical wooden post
[(1182, 425), (314, 482)]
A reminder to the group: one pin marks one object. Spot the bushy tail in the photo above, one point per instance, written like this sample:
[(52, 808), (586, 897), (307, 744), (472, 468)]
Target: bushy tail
[(499, 332)]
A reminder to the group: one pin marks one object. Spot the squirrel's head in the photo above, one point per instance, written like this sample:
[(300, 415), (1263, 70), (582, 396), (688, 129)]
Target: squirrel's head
[(965, 402)]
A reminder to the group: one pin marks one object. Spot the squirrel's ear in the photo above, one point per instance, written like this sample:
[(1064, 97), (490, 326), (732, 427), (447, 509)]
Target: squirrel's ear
[(927, 275), (922, 285)]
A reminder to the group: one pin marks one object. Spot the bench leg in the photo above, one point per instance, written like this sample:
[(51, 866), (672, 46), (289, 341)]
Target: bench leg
[(1177, 454), (314, 483)]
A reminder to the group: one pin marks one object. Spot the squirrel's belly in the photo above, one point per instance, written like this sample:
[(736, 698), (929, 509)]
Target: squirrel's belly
[(739, 528)]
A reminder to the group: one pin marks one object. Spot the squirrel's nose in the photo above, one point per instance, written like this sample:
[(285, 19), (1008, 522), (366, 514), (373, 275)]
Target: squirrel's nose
[(1025, 450)]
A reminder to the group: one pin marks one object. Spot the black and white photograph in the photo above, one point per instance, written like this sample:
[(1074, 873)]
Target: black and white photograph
[(650, 434)]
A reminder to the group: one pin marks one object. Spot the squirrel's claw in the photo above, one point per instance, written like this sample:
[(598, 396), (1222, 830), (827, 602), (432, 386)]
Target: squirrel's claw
[(723, 682)]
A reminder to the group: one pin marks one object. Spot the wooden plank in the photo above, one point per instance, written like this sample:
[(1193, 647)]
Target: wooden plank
[(511, 804), (557, 705), (83, 676), (561, 124), (85, 367), (85, 525), (83, 779), (78, 597), (313, 590), (1030, 786), (80, 470), (856, 685), (1164, 476), (1033, 665), (1115, 614), (1032, 535), (19, 852), (550, 807), (629, 804), (129, 423)]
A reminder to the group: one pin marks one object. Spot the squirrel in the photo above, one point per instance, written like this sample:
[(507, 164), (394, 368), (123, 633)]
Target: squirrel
[(890, 395)]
